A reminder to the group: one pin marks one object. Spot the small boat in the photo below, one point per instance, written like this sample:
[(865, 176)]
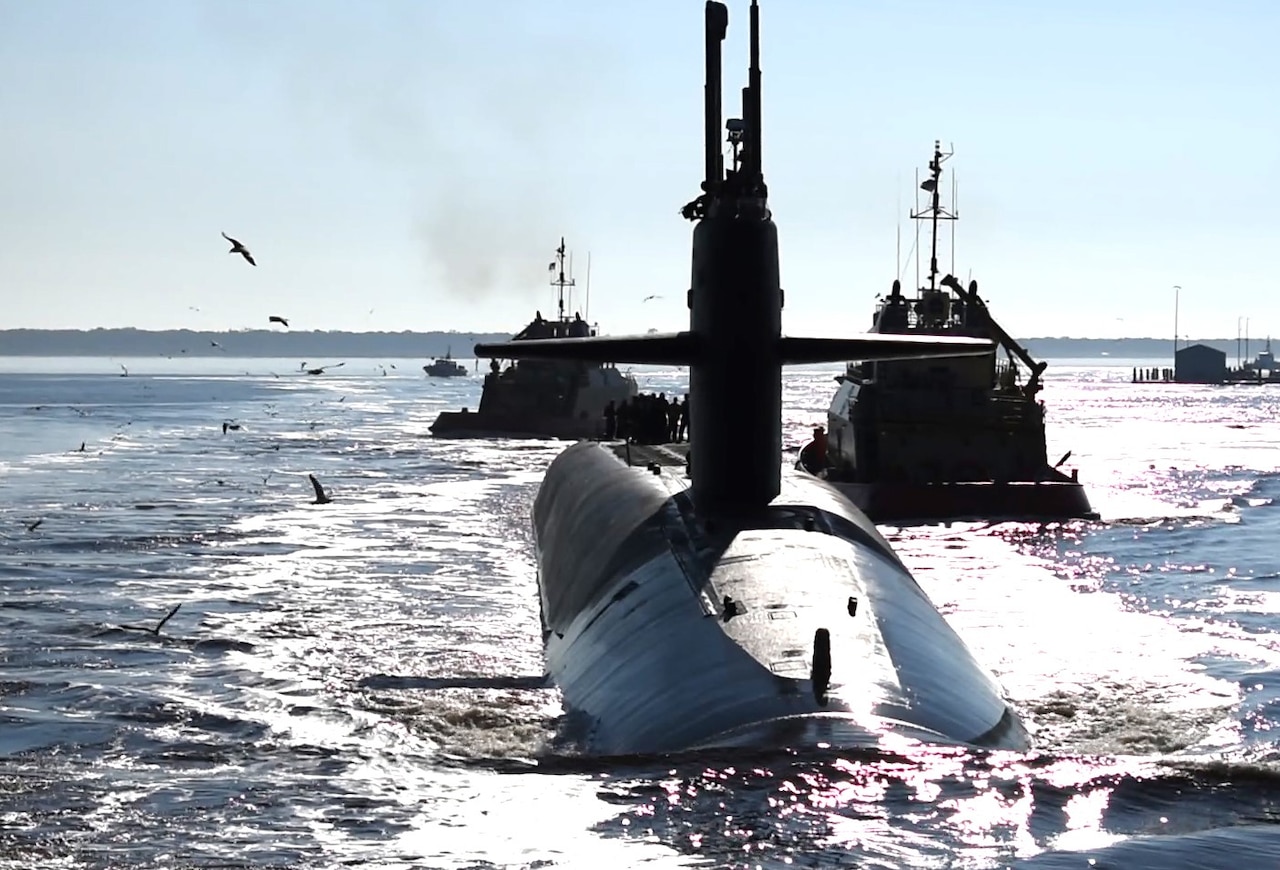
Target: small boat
[(445, 367), (948, 438)]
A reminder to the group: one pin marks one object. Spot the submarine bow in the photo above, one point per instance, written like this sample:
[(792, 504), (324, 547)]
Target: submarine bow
[(745, 606)]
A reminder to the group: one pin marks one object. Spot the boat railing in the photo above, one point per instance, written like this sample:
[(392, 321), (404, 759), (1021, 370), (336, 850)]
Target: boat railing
[(916, 320)]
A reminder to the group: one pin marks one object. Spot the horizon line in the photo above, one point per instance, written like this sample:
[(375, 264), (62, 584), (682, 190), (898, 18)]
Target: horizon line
[(476, 332)]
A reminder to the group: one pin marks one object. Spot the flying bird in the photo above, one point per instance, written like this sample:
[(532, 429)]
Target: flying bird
[(126, 371), (276, 318), (237, 248), (32, 526), (156, 631), (651, 296), (319, 370)]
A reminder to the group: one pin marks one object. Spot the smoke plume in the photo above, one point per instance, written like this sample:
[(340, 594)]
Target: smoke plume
[(477, 108)]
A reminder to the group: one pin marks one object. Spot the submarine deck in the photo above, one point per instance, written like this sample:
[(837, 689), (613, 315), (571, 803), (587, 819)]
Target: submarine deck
[(673, 455), (607, 527)]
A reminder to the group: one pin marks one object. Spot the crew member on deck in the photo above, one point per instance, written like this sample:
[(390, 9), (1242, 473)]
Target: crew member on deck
[(820, 446), (610, 421), (624, 420), (813, 456)]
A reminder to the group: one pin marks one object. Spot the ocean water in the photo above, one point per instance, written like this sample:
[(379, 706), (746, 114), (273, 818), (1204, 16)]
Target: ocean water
[(357, 683)]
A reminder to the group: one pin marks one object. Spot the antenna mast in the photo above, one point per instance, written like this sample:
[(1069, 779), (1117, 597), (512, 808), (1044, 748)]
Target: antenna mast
[(587, 312), (560, 282), (1177, 291), (897, 220), (751, 105), (955, 212), (916, 244), (935, 212)]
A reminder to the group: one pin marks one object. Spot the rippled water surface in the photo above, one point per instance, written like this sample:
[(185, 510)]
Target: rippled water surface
[(359, 683)]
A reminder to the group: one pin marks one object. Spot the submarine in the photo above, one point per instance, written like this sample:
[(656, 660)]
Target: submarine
[(729, 602)]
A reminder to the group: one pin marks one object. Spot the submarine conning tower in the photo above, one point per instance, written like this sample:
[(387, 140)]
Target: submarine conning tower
[(734, 346), (735, 304)]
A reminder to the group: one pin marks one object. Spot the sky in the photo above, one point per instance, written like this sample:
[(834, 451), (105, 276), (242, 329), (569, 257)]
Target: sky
[(412, 164)]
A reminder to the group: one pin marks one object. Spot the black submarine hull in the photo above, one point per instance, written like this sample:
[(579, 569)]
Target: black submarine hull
[(666, 632)]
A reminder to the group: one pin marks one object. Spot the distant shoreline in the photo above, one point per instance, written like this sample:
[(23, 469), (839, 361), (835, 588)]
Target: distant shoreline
[(257, 343), (410, 345)]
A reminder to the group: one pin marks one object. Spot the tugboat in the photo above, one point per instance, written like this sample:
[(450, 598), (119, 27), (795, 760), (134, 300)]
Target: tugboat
[(947, 438), (1262, 370), (542, 398), (445, 367)]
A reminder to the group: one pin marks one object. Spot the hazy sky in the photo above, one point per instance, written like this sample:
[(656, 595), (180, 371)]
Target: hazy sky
[(412, 165)]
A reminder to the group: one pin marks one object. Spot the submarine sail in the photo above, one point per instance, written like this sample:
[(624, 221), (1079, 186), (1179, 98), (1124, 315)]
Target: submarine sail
[(744, 604)]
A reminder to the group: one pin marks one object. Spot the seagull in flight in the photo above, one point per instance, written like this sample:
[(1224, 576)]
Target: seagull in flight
[(319, 370), (276, 318), (237, 248), (651, 296)]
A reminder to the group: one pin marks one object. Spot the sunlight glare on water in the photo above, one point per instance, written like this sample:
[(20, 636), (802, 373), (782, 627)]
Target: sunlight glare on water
[(360, 682)]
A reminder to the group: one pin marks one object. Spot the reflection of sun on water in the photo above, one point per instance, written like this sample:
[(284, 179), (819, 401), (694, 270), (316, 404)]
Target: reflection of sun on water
[(277, 685)]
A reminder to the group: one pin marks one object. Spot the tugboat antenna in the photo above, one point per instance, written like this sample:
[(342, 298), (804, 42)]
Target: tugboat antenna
[(955, 213), (916, 243), (560, 282), (897, 220), (935, 212)]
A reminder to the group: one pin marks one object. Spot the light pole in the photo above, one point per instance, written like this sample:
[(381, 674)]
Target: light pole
[(1177, 289)]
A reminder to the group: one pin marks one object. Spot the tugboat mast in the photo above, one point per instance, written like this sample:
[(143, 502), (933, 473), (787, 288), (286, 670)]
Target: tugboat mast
[(560, 282), (935, 212)]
